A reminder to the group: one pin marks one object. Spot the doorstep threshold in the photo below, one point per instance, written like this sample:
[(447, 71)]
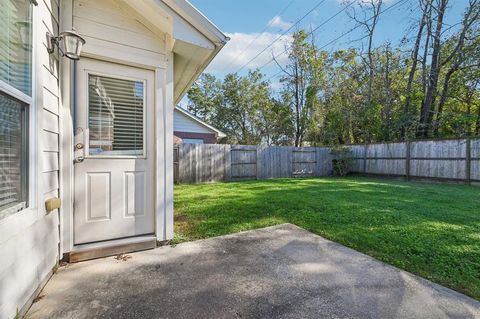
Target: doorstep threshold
[(111, 248)]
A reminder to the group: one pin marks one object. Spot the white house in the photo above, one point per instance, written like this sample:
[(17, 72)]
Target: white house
[(187, 128), (85, 146)]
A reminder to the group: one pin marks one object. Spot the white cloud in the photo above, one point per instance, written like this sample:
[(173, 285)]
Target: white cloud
[(238, 51), (277, 21)]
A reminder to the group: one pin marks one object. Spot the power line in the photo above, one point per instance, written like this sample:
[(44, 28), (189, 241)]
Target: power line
[(271, 77), (339, 37), (280, 36), (314, 30), (261, 32)]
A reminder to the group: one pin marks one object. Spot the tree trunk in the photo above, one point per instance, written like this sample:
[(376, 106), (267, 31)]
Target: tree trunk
[(387, 112), (376, 7), (428, 108), (413, 69), (477, 123), (443, 98), (297, 106), (457, 56)]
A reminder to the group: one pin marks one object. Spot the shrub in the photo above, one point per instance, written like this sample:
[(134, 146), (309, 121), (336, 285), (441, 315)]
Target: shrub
[(342, 161)]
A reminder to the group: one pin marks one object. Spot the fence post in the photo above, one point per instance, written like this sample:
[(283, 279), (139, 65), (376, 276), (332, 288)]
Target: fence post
[(468, 160), (227, 154), (176, 169), (407, 160), (258, 163), (365, 158)]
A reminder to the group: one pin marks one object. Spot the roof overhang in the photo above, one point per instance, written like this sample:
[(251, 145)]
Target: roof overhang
[(194, 39)]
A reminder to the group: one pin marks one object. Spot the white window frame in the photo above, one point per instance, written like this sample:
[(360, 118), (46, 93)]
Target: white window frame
[(87, 132), (21, 219)]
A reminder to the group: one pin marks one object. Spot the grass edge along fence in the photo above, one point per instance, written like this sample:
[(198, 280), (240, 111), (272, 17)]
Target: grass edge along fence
[(448, 160)]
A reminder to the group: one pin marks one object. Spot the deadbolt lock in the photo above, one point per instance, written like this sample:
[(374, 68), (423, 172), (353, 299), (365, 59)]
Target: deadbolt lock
[(79, 146), (79, 159)]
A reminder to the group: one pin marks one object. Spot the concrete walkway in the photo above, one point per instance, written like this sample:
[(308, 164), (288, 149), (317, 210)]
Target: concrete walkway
[(275, 272)]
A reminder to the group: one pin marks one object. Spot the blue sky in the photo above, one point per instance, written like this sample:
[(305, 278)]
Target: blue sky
[(244, 20)]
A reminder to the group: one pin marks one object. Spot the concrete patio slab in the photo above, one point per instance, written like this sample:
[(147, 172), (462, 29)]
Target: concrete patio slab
[(275, 272)]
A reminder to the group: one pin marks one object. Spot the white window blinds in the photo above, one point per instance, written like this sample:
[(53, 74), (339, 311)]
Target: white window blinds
[(115, 116), (16, 44), (13, 156)]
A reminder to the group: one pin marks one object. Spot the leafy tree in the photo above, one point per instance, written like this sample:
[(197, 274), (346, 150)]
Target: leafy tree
[(428, 86), (205, 96)]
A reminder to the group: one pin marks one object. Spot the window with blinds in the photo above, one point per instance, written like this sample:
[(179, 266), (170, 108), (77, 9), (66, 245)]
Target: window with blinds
[(13, 156), (15, 75), (115, 116), (16, 44)]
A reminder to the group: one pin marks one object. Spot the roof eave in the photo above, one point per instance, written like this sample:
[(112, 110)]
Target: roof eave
[(198, 72), (193, 16), (200, 22)]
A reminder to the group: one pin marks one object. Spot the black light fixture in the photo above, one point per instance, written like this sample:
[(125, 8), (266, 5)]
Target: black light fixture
[(72, 44)]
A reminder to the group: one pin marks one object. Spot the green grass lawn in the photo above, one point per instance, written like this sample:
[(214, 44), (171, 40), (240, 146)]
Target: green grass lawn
[(432, 230)]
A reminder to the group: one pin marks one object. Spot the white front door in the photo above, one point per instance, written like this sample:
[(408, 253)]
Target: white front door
[(114, 152)]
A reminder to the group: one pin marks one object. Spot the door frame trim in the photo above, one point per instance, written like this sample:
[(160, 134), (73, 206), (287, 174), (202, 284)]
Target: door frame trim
[(104, 230), (164, 107)]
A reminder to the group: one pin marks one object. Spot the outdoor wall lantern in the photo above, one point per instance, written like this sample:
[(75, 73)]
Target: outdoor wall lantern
[(72, 44)]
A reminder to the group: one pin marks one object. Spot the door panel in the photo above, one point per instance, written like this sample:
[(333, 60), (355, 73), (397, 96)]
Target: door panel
[(114, 169), (98, 196), (134, 186)]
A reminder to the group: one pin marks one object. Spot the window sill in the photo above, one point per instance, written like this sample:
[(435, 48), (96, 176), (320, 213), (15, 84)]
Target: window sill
[(17, 208)]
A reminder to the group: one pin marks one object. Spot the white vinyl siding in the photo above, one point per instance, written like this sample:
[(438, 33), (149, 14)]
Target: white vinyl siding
[(107, 26), (183, 123), (29, 240), (48, 94)]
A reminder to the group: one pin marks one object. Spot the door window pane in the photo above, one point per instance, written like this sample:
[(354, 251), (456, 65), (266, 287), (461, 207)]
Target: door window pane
[(16, 44), (115, 116), (13, 156)]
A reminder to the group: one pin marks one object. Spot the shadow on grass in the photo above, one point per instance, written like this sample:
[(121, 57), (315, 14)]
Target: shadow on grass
[(423, 228)]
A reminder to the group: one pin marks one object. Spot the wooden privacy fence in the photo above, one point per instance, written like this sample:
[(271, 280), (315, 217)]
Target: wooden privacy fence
[(201, 163), (455, 160)]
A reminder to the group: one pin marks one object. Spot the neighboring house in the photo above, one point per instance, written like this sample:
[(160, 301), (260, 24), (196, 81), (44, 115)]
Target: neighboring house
[(190, 129), (85, 146)]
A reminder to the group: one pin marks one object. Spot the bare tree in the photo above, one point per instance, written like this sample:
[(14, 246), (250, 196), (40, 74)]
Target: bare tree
[(457, 55), (387, 109), (425, 6), (428, 107), (371, 10), (295, 79)]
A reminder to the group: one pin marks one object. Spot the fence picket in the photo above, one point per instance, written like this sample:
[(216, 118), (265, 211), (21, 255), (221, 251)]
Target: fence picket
[(457, 160)]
